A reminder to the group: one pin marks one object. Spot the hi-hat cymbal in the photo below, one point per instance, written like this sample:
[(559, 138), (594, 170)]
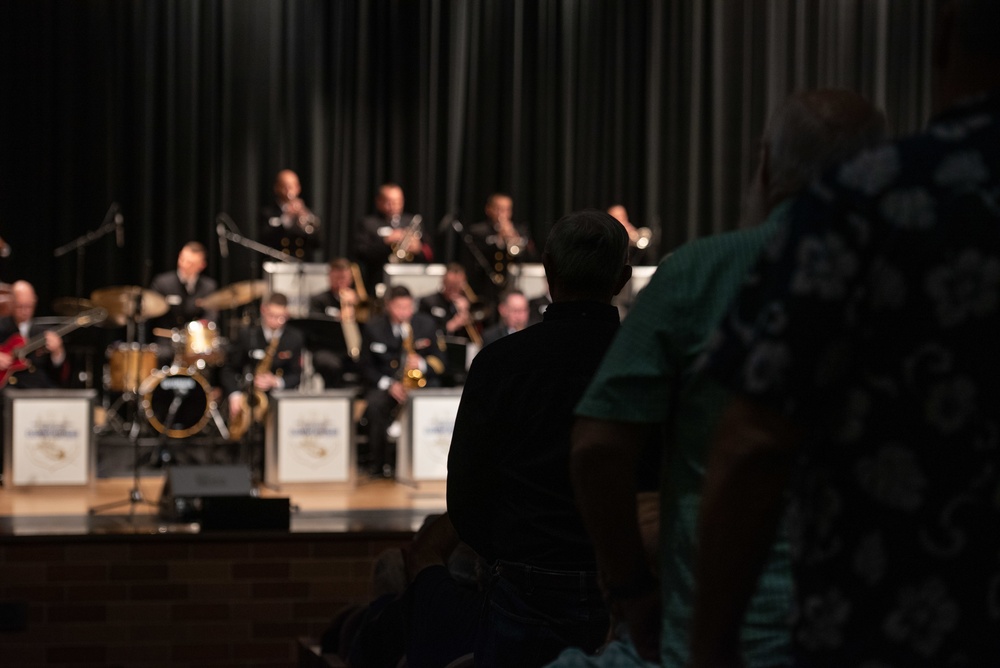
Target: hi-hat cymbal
[(72, 306), (129, 302), (234, 296)]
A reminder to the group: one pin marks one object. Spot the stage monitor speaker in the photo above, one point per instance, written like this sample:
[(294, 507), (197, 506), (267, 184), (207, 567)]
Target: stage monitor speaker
[(186, 486)]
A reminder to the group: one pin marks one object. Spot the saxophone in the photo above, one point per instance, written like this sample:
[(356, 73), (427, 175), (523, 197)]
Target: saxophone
[(239, 424), (411, 378)]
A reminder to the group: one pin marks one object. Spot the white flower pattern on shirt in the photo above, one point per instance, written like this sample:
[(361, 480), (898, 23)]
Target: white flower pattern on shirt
[(890, 268), (964, 287), (824, 266), (872, 171), (892, 477), (923, 616)]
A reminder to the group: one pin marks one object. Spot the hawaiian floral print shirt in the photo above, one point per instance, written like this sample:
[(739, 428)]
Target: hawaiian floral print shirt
[(873, 322)]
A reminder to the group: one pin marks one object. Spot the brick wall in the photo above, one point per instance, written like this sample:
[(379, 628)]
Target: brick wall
[(177, 600)]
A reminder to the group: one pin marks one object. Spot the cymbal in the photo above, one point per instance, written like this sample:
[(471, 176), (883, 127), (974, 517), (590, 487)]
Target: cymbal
[(233, 296), (72, 306), (129, 302)]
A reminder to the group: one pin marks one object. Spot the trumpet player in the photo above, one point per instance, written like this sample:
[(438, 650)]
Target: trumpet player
[(493, 245), (401, 350), (639, 238), (266, 356), (389, 233), (289, 226)]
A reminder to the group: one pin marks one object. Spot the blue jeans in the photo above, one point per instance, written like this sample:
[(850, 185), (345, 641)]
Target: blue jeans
[(529, 621)]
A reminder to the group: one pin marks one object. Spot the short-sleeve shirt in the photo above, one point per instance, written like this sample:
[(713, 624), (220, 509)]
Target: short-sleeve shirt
[(648, 377), (872, 322)]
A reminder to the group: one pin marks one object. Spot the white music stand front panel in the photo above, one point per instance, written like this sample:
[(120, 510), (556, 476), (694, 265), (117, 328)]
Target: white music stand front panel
[(529, 278), (421, 280), (48, 437), (427, 421), (311, 438), (298, 281)]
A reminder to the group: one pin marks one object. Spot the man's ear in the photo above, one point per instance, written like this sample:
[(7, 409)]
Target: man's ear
[(623, 279), (546, 261)]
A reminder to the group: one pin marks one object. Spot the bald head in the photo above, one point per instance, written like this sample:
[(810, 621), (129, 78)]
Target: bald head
[(811, 131), (24, 301), (286, 185)]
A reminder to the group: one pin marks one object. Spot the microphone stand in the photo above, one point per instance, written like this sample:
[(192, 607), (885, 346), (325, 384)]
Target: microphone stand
[(241, 240), (80, 243), (473, 248), (253, 432)]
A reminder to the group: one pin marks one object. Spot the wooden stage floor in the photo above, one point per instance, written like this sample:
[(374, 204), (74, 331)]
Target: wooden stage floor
[(368, 505)]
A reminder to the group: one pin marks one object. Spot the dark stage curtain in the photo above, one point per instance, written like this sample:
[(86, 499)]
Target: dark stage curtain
[(179, 110)]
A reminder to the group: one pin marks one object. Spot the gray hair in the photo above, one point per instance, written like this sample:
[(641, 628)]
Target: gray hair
[(586, 252), (814, 130)]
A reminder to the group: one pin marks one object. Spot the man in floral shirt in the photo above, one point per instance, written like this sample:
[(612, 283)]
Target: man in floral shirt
[(864, 356)]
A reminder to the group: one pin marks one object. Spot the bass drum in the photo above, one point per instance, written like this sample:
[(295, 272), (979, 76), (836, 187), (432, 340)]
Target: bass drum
[(176, 402)]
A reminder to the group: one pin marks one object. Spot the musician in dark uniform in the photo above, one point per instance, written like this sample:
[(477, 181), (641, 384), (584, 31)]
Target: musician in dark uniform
[(396, 342), (46, 366), (182, 289), (338, 306), (640, 240), (376, 236), (288, 225), (450, 306), (496, 243), (457, 318), (514, 316), (247, 355)]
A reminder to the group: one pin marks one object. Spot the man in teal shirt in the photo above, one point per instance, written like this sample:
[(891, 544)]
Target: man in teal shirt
[(647, 379)]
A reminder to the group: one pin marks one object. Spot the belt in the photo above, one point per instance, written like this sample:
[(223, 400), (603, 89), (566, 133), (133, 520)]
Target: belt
[(527, 578)]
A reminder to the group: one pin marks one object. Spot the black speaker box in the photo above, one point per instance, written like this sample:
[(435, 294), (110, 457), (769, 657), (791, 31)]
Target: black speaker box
[(186, 487)]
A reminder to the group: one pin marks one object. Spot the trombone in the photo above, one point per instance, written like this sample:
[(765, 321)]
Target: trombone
[(470, 328)]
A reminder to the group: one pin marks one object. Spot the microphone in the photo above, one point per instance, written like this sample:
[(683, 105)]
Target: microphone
[(119, 230), (220, 229), (446, 222)]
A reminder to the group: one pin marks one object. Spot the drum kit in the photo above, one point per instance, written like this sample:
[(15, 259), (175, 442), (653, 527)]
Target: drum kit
[(175, 399)]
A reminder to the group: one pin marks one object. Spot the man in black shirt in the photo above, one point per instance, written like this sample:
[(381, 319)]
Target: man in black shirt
[(509, 491)]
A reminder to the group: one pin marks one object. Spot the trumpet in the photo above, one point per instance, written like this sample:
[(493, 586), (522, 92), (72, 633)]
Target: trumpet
[(640, 237), (297, 210), (399, 250), (512, 239)]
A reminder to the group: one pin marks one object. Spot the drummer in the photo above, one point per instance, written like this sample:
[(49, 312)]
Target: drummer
[(182, 289)]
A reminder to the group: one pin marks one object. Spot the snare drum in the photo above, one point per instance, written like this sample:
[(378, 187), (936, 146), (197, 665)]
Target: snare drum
[(128, 365), (202, 345), (176, 401)]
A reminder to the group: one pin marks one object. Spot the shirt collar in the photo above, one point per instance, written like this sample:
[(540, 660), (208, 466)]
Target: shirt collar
[(581, 309)]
